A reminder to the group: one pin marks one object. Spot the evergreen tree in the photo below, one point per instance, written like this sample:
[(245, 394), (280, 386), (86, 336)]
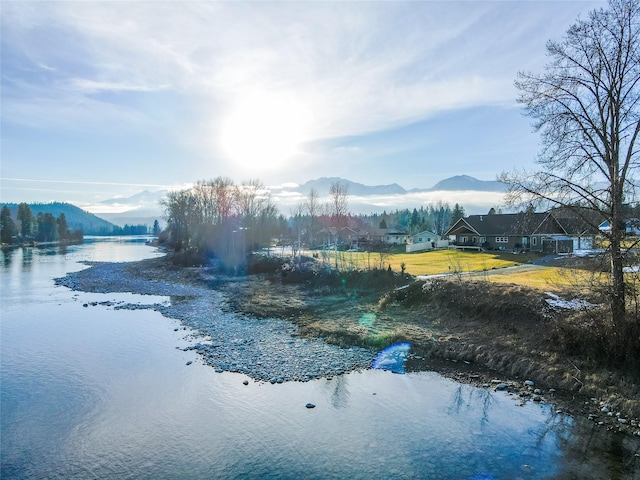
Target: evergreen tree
[(26, 220), (63, 229), (457, 213), (7, 226), (47, 227), (414, 224)]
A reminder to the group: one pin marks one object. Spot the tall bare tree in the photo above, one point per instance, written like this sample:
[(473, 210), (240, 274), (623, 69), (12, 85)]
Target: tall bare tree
[(312, 206), (339, 193), (586, 105)]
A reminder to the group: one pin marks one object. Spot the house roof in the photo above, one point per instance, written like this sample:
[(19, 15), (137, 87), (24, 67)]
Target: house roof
[(425, 233), (500, 224), (523, 223)]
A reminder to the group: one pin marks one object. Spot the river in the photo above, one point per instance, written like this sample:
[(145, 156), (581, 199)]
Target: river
[(101, 392)]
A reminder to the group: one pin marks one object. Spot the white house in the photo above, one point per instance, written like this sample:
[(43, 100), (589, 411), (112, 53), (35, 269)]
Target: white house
[(426, 240)]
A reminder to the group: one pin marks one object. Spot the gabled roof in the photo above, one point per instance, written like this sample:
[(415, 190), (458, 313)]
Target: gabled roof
[(425, 233), (500, 224), (523, 223)]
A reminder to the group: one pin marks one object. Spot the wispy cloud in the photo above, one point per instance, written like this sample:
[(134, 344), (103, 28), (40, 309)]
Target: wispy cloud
[(359, 67), (81, 182), (143, 74)]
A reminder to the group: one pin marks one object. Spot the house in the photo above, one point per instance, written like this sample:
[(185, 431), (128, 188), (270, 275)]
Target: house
[(559, 232), (426, 240), (395, 237), (347, 237), (632, 226)]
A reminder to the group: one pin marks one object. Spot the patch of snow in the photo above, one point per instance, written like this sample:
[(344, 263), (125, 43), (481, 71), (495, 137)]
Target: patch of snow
[(575, 304), (588, 252), (632, 269)]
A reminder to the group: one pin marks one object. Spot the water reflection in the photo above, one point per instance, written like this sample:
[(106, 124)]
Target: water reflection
[(104, 393), (339, 388), (483, 397)]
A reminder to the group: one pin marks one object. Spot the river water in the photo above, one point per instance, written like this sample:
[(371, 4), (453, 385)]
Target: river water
[(105, 393)]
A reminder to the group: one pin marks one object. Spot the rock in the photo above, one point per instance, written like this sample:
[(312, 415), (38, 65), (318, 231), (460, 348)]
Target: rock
[(537, 391), (189, 362), (529, 383), (501, 386), (246, 382), (552, 391), (310, 405), (623, 421), (604, 410), (537, 398)]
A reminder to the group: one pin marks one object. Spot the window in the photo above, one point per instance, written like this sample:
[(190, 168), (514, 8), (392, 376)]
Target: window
[(534, 241), (483, 239), (502, 239)]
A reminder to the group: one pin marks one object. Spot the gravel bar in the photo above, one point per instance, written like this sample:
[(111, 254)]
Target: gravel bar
[(268, 350)]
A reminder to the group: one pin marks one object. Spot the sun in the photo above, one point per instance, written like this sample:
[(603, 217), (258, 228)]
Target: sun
[(264, 131)]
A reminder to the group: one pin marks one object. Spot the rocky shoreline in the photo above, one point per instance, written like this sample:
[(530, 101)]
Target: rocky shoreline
[(268, 348), (265, 349)]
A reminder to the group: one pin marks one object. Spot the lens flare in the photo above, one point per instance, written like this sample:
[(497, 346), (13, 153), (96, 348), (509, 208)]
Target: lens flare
[(392, 358)]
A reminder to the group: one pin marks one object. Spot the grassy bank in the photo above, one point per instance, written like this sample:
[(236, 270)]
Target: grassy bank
[(503, 329)]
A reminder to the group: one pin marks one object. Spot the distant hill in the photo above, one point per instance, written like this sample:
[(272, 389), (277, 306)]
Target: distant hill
[(457, 183), (77, 219), (140, 209), (322, 186), (465, 182)]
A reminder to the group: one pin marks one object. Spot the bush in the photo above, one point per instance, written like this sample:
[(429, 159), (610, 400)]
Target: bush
[(593, 336)]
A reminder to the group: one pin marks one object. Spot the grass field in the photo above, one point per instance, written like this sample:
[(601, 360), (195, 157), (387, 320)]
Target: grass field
[(485, 265), (454, 261), (431, 263)]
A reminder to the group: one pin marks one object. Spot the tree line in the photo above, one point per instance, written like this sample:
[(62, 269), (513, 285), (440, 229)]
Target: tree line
[(222, 219), (44, 227), (219, 218), (435, 218)]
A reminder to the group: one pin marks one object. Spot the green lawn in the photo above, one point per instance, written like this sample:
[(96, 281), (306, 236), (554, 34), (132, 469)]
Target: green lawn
[(452, 261), (430, 263)]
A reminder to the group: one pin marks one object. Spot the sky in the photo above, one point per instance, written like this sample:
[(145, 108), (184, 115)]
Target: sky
[(106, 99)]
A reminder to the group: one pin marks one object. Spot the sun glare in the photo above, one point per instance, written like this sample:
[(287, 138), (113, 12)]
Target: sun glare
[(264, 132)]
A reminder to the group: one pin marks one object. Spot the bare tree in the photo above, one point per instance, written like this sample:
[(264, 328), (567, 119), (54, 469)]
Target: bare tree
[(297, 215), (312, 206), (586, 105), (339, 193)]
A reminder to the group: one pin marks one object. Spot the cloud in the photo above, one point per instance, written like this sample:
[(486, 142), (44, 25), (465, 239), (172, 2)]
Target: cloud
[(474, 202), (359, 67), (179, 70), (95, 86)]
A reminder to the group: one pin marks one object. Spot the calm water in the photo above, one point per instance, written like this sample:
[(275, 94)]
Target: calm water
[(102, 393)]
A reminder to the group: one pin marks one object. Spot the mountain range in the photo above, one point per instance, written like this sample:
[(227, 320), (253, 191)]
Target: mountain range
[(456, 183), (475, 195)]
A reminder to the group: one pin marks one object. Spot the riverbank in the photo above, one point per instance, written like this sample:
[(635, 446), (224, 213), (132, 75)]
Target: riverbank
[(280, 328)]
